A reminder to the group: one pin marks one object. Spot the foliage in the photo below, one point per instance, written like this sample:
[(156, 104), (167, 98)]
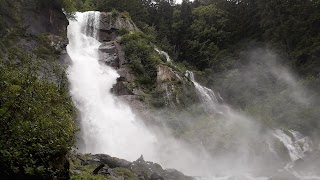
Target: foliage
[(125, 173), (37, 125), (142, 57), (37, 115)]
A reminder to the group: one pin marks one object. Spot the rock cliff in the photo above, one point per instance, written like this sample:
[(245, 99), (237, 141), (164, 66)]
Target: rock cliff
[(170, 83)]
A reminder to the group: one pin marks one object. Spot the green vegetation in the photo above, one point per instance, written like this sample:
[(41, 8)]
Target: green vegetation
[(125, 173), (212, 37), (37, 126), (142, 58), (37, 121)]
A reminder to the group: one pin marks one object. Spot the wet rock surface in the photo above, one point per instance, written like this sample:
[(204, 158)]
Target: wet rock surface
[(101, 164)]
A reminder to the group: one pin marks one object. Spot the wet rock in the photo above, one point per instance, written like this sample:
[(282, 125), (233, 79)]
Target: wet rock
[(121, 55), (109, 22), (121, 88), (98, 169), (108, 54), (108, 47), (110, 167), (98, 159), (165, 73), (156, 176)]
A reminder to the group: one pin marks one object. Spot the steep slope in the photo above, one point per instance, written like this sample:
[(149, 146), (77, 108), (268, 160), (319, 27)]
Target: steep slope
[(37, 115)]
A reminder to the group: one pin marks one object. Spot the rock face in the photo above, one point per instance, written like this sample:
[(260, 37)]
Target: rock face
[(38, 21), (169, 82), (109, 166), (111, 53), (110, 21), (165, 73)]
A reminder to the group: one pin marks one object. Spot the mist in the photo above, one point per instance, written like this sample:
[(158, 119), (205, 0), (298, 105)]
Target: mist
[(246, 137), (257, 138)]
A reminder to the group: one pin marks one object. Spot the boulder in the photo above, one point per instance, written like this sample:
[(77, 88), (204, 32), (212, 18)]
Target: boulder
[(95, 171), (165, 73), (156, 176), (121, 88), (110, 22)]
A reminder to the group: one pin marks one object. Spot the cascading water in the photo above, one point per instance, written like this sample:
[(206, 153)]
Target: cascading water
[(163, 53), (207, 96), (107, 125), (296, 145)]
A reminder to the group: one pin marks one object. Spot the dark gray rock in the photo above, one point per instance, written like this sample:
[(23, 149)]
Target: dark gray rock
[(156, 176), (43, 21), (109, 22), (121, 88), (95, 171)]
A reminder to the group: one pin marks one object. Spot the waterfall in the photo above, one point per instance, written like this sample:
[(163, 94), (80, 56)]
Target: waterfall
[(107, 125), (165, 54), (208, 98), (296, 145)]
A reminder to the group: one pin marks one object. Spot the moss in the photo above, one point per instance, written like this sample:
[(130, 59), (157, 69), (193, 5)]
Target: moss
[(125, 173)]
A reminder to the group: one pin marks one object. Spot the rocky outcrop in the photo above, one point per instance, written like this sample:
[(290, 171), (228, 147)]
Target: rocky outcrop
[(165, 73), (38, 21), (59, 43), (111, 53), (114, 168), (110, 21)]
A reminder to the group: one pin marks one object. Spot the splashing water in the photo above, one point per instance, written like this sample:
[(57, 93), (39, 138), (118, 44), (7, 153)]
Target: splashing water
[(107, 125), (296, 145)]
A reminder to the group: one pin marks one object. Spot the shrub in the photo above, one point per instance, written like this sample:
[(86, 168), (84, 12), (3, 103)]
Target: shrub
[(142, 58), (37, 123)]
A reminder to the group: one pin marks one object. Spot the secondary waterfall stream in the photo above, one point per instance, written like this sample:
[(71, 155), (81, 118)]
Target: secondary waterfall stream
[(107, 125)]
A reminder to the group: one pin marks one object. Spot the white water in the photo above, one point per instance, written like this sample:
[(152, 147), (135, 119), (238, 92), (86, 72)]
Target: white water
[(207, 96), (107, 125), (296, 146), (163, 53)]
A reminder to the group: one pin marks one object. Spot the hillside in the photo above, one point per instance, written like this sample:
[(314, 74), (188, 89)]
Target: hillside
[(212, 88)]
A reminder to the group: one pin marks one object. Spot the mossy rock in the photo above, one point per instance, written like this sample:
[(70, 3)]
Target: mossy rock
[(125, 173)]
